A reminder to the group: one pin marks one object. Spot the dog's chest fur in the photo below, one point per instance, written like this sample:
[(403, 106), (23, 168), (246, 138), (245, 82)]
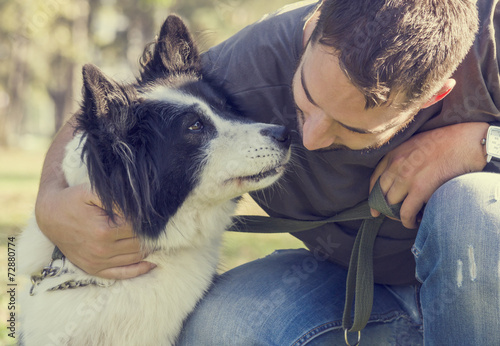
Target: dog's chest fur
[(147, 310)]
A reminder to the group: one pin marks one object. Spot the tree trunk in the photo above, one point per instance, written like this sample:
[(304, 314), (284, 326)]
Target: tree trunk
[(11, 117)]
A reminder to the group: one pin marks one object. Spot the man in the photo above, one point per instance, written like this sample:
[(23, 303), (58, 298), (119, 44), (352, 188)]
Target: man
[(374, 91)]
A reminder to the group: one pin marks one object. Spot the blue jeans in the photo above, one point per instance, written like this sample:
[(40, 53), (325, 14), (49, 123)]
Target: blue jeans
[(292, 298)]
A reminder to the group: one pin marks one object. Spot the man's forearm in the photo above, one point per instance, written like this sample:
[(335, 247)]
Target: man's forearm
[(71, 219), (52, 174)]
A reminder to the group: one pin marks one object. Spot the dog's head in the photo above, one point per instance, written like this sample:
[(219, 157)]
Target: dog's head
[(150, 146)]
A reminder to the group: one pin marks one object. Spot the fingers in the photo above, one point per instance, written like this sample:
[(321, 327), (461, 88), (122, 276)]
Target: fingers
[(105, 229), (410, 211), (95, 256), (413, 205), (379, 170), (110, 252), (375, 176), (86, 195), (99, 245), (76, 223), (397, 190), (115, 229), (122, 261), (126, 272), (392, 187)]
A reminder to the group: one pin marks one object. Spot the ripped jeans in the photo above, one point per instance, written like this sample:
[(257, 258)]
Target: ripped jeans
[(457, 254)]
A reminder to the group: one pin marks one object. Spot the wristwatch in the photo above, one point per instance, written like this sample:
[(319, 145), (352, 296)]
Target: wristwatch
[(493, 144)]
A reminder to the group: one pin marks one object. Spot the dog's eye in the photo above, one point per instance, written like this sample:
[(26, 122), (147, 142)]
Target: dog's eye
[(197, 126)]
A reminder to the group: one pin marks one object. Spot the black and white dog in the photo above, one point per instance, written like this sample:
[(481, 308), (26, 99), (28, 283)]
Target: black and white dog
[(169, 155)]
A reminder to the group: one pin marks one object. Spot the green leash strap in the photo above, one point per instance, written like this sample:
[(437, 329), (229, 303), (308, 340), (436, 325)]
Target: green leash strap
[(359, 285), (266, 224)]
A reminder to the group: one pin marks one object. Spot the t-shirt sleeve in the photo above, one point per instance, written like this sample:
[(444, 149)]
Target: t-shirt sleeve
[(255, 66), (476, 96)]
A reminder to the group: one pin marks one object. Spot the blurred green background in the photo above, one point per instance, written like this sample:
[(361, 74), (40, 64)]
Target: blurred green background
[(43, 45)]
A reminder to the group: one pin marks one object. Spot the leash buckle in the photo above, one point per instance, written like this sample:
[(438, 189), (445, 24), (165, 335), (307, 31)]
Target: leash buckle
[(346, 338)]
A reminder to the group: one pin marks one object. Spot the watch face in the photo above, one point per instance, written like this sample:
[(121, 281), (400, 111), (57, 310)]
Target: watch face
[(493, 141)]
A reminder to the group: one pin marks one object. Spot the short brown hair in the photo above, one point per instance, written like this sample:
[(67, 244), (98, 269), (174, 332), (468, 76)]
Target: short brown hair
[(397, 46)]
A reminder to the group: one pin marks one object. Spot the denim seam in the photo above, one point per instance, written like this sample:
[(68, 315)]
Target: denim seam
[(419, 307), (412, 323), (326, 327)]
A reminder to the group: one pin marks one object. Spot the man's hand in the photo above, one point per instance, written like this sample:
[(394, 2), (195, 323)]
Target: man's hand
[(73, 220), (414, 170)]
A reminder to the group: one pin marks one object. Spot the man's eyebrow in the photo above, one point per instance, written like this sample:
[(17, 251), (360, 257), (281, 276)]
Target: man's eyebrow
[(306, 91), (362, 131), (350, 128)]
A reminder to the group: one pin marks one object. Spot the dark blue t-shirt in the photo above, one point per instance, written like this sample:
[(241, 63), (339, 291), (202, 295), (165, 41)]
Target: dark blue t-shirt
[(256, 67)]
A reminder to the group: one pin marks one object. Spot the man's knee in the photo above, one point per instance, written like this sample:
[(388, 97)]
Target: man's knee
[(468, 197), (467, 190), (465, 210)]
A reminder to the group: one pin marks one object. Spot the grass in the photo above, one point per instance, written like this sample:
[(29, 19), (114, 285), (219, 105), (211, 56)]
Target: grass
[(19, 176)]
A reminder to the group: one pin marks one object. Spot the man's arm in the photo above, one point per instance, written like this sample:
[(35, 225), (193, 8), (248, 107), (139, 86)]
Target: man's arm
[(413, 171), (71, 218)]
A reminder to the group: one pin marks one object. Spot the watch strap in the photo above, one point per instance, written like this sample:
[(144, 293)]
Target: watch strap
[(493, 164)]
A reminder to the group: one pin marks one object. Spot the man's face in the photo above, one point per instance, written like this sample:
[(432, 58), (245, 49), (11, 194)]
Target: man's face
[(331, 111)]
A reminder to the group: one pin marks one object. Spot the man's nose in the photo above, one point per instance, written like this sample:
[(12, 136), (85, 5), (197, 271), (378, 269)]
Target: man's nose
[(316, 133)]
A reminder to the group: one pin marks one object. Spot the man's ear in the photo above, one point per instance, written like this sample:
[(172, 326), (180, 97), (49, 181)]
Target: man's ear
[(441, 94)]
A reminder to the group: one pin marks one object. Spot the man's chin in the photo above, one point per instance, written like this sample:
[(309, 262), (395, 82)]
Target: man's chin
[(333, 147), (342, 147)]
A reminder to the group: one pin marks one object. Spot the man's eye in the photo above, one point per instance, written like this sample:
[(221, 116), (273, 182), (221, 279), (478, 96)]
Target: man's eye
[(197, 126)]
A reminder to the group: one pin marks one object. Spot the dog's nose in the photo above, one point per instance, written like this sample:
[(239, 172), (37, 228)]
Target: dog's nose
[(279, 133)]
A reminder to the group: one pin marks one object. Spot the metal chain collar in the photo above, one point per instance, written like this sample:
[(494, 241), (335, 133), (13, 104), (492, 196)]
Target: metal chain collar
[(75, 284), (54, 271), (47, 271)]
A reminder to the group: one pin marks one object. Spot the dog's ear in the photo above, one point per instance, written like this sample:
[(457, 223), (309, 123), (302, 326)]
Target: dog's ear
[(99, 91), (173, 52)]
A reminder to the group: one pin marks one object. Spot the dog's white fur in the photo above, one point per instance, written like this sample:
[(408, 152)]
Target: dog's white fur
[(150, 309)]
